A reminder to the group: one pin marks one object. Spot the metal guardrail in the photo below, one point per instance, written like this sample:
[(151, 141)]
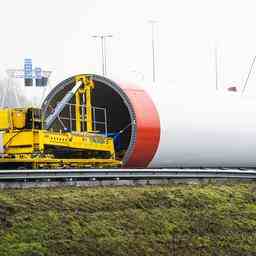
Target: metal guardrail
[(123, 174)]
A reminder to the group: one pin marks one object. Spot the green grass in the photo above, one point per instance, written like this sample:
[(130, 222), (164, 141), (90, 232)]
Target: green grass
[(176, 220)]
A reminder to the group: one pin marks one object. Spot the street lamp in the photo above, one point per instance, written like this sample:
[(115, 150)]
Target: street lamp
[(153, 22), (103, 51)]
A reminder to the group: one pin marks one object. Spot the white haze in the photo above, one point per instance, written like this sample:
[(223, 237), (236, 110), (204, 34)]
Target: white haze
[(57, 36)]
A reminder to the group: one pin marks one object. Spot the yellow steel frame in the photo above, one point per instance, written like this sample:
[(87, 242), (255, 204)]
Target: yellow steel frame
[(5, 119), (88, 85), (61, 163), (31, 141), (78, 114)]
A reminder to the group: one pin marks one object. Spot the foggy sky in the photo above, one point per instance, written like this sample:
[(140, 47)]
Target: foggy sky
[(57, 36)]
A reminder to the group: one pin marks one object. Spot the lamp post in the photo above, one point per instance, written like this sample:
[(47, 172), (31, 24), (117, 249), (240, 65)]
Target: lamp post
[(103, 51), (153, 22)]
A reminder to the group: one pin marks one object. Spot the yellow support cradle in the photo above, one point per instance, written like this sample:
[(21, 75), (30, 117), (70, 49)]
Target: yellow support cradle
[(88, 85)]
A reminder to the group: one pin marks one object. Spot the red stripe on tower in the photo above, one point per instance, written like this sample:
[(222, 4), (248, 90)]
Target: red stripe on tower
[(147, 126)]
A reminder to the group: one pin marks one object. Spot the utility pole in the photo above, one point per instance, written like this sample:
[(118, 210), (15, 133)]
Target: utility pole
[(153, 22), (103, 51), (216, 68)]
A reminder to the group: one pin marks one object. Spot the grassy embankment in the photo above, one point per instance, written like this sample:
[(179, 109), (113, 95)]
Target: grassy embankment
[(169, 220)]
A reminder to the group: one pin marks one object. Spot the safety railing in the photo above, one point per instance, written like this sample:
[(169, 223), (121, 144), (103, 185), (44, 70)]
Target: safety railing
[(99, 118)]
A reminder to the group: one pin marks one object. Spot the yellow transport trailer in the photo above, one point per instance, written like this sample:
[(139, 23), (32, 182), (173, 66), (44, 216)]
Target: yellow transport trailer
[(27, 140)]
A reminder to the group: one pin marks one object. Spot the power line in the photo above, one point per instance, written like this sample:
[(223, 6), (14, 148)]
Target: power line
[(216, 68), (249, 74)]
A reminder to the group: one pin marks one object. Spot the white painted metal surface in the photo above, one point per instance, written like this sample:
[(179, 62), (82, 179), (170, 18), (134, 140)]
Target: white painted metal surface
[(205, 130)]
